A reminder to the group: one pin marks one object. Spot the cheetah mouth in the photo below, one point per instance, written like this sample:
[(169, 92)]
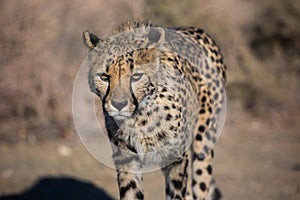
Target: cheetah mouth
[(121, 117)]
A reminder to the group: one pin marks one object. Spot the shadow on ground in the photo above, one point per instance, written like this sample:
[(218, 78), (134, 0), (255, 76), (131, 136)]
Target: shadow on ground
[(51, 188)]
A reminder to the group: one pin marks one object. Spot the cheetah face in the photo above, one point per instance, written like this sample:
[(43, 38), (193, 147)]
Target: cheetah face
[(122, 68), (125, 85)]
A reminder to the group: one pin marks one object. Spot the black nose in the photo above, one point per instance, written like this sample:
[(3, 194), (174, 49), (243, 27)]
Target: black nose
[(119, 104)]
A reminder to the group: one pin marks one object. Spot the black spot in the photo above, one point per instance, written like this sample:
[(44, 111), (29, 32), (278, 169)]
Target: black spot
[(200, 157), (161, 136), (176, 61), (166, 107), (205, 40), (199, 172), (209, 169), (131, 66), (139, 195), (132, 184), (201, 128), (202, 111), (207, 76), (206, 150), (202, 186), (143, 122), (194, 182), (151, 84), (194, 196), (203, 99), (207, 121), (149, 113), (198, 137), (200, 31), (169, 117), (131, 148), (191, 32), (157, 124), (196, 78), (208, 136), (177, 184), (161, 95)]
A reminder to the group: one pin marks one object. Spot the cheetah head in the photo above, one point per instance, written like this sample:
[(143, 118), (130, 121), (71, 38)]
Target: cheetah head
[(121, 77)]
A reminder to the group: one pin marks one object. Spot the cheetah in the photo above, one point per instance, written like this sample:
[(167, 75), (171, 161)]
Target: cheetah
[(163, 100)]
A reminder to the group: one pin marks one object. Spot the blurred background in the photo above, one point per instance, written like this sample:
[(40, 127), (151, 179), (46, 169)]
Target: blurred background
[(41, 49)]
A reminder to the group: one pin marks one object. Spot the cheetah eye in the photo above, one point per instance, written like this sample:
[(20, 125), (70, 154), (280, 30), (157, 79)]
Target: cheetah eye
[(136, 77), (104, 77)]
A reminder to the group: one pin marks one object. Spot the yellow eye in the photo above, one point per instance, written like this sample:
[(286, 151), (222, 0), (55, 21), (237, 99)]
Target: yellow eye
[(136, 77), (104, 77)]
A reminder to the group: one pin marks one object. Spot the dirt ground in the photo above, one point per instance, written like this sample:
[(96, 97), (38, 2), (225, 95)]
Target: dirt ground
[(253, 161)]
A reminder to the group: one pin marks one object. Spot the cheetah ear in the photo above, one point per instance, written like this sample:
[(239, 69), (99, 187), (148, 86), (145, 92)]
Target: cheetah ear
[(90, 40), (156, 35)]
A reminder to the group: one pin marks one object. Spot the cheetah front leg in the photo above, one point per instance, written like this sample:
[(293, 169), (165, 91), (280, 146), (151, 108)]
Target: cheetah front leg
[(202, 176), (130, 185), (176, 179), (129, 175)]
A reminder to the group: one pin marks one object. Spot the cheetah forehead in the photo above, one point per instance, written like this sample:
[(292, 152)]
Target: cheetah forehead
[(130, 25)]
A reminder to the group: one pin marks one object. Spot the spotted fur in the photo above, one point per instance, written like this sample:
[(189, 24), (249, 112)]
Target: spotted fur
[(162, 91)]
